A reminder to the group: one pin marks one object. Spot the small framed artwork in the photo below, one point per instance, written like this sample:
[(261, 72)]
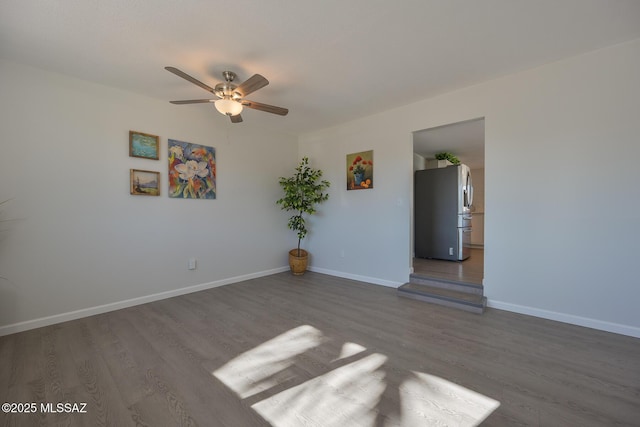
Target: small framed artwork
[(144, 183), (360, 170), (143, 145)]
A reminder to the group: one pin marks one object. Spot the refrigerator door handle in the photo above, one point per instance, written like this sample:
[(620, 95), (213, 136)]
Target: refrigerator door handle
[(470, 188)]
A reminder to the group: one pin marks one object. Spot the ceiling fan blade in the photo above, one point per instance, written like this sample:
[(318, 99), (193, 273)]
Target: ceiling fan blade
[(236, 119), (265, 107), (189, 78), (192, 101), (254, 83)]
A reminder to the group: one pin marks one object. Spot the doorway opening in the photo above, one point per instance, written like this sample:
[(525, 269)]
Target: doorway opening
[(465, 140)]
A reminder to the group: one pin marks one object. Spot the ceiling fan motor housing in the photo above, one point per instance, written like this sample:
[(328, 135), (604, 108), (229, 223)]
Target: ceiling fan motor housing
[(227, 90)]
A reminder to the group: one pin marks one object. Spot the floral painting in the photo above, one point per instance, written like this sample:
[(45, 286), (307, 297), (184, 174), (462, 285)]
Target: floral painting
[(360, 170), (192, 171)]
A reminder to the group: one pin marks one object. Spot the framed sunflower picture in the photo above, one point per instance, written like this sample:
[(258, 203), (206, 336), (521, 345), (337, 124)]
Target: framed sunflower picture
[(360, 170), (192, 171)]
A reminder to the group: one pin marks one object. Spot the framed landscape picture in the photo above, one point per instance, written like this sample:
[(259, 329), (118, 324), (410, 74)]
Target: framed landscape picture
[(144, 183), (192, 170), (143, 145), (360, 170)]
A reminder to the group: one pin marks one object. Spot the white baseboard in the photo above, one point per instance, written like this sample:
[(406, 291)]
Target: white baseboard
[(90, 311), (531, 311), (616, 328), (373, 280)]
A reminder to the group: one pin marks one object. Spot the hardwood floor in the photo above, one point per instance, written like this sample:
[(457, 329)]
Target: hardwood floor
[(317, 350), (470, 270)]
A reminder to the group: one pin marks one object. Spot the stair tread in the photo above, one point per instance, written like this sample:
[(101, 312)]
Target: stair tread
[(451, 295), (446, 302)]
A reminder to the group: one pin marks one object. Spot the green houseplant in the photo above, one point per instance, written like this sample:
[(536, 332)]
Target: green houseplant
[(448, 156), (302, 192)]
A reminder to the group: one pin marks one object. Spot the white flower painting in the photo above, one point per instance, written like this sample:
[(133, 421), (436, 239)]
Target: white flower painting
[(192, 170)]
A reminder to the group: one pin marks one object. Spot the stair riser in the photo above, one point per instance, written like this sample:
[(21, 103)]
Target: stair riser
[(468, 289), (477, 309)]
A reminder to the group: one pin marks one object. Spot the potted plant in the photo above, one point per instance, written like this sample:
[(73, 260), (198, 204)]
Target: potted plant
[(448, 156), (302, 192)]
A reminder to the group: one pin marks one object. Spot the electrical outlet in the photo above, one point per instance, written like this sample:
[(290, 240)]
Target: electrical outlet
[(191, 265), (450, 251)]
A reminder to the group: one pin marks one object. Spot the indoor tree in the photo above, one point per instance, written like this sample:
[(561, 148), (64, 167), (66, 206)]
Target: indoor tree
[(302, 192)]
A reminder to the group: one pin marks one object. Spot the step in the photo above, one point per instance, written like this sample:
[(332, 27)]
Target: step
[(470, 288), (472, 302)]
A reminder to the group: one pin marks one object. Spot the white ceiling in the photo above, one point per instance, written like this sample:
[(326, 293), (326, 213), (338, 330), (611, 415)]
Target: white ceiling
[(328, 61)]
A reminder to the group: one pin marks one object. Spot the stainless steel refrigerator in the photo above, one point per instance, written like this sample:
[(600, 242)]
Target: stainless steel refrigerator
[(442, 219)]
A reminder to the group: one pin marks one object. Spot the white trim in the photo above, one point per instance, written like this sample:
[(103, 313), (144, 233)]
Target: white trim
[(531, 311), (85, 312), (367, 279), (602, 325)]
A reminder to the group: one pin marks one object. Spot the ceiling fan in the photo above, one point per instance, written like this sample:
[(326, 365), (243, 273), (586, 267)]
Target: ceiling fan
[(231, 96)]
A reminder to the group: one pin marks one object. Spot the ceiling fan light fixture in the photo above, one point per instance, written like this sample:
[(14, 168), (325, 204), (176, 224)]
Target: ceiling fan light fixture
[(228, 107), (232, 97)]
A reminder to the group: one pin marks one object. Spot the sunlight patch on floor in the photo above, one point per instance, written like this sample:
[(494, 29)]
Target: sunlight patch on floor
[(346, 396), (362, 390), (430, 400), (349, 349), (256, 370)]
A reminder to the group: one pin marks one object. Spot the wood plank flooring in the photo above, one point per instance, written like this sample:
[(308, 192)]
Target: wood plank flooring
[(470, 270), (317, 350)]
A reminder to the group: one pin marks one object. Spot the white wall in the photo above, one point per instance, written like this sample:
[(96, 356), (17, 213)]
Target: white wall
[(362, 234), (419, 162), (561, 168), (85, 242), (561, 150)]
